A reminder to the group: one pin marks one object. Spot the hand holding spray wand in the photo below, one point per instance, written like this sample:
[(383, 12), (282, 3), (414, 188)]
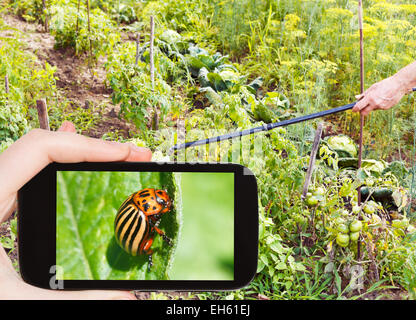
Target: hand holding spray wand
[(266, 127)]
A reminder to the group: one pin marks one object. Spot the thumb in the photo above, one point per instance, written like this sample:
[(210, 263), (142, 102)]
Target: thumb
[(88, 295), (24, 291), (359, 96), (67, 126)]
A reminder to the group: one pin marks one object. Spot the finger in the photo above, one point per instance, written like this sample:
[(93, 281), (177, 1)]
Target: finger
[(67, 126), (7, 207), (31, 153), (17, 289), (138, 153), (360, 105), (88, 295), (6, 267), (366, 111), (359, 96)]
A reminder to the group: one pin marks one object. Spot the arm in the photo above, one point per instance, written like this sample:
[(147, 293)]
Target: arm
[(24, 159), (388, 92)]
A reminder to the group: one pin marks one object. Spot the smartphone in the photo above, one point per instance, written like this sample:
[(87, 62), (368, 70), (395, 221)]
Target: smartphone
[(139, 226)]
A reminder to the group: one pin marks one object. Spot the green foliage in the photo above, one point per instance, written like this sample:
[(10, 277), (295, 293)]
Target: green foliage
[(27, 82), (133, 90), (30, 10), (123, 14), (87, 204), (85, 118), (232, 65), (12, 122), (8, 242), (70, 29)]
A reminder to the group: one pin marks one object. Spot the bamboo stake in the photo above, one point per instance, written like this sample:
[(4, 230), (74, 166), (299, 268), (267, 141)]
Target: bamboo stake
[(312, 159), (152, 69), (42, 114)]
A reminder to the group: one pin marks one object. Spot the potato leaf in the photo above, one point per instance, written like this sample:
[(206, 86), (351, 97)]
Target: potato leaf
[(87, 203)]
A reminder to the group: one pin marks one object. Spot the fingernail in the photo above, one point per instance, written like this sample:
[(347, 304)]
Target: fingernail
[(112, 143), (127, 296), (67, 126), (137, 148)]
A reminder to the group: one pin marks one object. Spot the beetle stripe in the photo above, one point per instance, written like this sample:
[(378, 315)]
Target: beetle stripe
[(123, 208), (127, 227), (124, 219), (139, 234), (121, 217), (126, 201), (131, 229)]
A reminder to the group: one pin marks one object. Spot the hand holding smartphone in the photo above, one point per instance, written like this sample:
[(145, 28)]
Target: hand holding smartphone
[(145, 226)]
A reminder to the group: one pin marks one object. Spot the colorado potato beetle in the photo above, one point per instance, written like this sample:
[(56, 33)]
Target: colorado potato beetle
[(138, 219)]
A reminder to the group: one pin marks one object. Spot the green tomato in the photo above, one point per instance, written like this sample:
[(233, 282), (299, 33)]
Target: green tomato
[(356, 209), (344, 212), (343, 239), (369, 182), (339, 221), (343, 228), (319, 191), (354, 236), (369, 209), (400, 224), (311, 201), (410, 229), (375, 220), (356, 226), (327, 180)]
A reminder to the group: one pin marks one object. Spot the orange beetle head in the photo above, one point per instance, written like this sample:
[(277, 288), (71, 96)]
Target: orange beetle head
[(152, 201), (164, 200)]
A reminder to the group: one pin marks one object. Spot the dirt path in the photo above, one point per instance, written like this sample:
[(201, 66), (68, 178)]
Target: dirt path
[(75, 81)]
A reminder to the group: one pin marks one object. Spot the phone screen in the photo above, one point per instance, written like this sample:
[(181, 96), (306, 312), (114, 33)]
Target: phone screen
[(114, 225)]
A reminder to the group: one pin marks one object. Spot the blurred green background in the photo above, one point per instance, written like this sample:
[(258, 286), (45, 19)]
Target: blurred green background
[(206, 245)]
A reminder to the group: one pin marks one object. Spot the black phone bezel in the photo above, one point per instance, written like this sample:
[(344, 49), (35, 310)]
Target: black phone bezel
[(37, 227)]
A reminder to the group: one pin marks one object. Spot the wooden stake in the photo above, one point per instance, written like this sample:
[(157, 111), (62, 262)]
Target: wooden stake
[(46, 16), (137, 48), (42, 114), (360, 19), (152, 69), (152, 64), (312, 159), (89, 26), (360, 144), (6, 83), (78, 7)]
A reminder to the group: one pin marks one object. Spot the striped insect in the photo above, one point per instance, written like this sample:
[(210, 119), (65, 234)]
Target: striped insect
[(137, 221)]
